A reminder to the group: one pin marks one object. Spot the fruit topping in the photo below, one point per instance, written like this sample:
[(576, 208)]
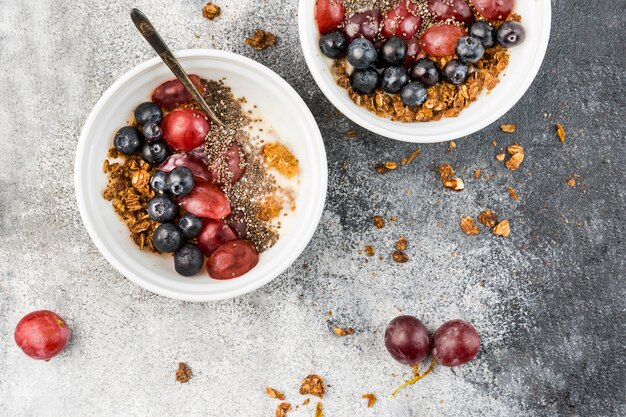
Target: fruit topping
[(162, 209), (469, 50), (180, 181), (440, 41), (237, 221), (329, 14), (154, 153), (167, 238), (152, 132), (188, 260), (233, 259), (413, 50), (362, 53), (455, 343), (451, 9), (185, 129), (494, 9), (233, 169), (510, 34), (393, 50), (407, 340), (148, 112), (414, 94), (426, 71), (197, 167), (363, 25), (483, 31), (42, 334), (190, 225), (334, 44), (455, 72), (127, 140), (364, 81), (401, 22), (214, 233), (158, 182), (173, 93), (206, 200), (394, 78)]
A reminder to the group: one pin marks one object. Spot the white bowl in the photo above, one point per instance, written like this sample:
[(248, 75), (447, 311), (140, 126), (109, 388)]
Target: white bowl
[(277, 102), (523, 67)]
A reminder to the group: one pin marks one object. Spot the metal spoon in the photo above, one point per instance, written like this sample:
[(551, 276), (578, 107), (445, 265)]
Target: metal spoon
[(156, 42)]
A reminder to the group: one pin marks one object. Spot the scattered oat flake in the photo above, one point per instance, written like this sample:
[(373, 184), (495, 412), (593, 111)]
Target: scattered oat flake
[(400, 257), (371, 399), (468, 226), (379, 222), (313, 385), (318, 410), (445, 171), (211, 11), (391, 165), (560, 132), (513, 193), (508, 128), (183, 373), (283, 409), (369, 250), (352, 134), (500, 157), (477, 174), (514, 149), (571, 182), (502, 229), (515, 161), (381, 168), (341, 331), (393, 218), (488, 218), (401, 244), (306, 401), (452, 145), (261, 40), (413, 155), (455, 184), (274, 393)]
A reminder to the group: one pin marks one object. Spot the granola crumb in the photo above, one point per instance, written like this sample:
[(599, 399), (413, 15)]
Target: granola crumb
[(318, 410), (445, 171), (379, 222), (351, 134), (393, 218), (502, 229), (369, 250), (282, 409), (500, 157), (313, 385), (382, 168), (306, 401), (183, 373), (401, 244), (468, 226), (452, 145), (488, 218), (513, 193), (261, 39), (343, 331), (391, 165), (211, 11), (274, 393), (571, 182), (400, 257), (477, 174), (560, 131), (508, 128), (412, 157), (371, 399)]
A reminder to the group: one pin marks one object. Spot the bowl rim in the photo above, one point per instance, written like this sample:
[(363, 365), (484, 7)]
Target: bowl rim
[(286, 260), (367, 120)]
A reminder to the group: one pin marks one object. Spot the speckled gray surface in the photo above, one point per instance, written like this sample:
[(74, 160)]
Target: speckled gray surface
[(553, 332)]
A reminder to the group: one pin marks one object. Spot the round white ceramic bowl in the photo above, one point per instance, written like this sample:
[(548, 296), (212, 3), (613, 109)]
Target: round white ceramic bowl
[(525, 62), (277, 102)]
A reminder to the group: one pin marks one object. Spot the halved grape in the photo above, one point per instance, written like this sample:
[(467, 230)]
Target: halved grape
[(412, 51), (407, 340), (197, 167), (232, 260), (173, 93), (185, 129), (329, 14), (440, 41), (401, 22), (206, 200), (494, 9), (451, 9), (363, 25), (455, 343), (233, 164), (214, 233)]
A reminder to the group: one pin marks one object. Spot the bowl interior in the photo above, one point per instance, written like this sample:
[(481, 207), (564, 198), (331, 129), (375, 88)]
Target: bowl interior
[(524, 64), (278, 103)]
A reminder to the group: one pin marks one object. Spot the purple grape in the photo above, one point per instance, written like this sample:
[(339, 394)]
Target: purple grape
[(455, 343), (406, 339)]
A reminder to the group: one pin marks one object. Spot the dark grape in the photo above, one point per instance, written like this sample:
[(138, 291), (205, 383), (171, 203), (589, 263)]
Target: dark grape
[(455, 343), (406, 339)]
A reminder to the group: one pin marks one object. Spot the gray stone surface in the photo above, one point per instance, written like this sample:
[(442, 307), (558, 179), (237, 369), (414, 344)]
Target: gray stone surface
[(548, 301)]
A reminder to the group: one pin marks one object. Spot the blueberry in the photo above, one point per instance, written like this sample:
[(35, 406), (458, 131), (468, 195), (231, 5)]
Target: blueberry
[(469, 49), (188, 260), (413, 94), (167, 238), (393, 50), (364, 81), (361, 53), (152, 132), (180, 182), (127, 140), (334, 44), (162, 209), (158, 182), (426, 71), (510, 34), (455, 72), (190, 225), (394, 78), (148, 112), (155, 152), (483, 31)]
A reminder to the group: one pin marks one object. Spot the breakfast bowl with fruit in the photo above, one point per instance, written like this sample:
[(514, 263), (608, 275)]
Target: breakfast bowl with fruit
[(424, 70), (189, 208)]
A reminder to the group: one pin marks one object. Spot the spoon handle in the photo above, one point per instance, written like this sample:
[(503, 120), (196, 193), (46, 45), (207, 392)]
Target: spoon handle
[(148, 31)]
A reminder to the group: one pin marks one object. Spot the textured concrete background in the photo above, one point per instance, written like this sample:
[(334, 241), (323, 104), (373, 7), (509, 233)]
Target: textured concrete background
[(553, 332)]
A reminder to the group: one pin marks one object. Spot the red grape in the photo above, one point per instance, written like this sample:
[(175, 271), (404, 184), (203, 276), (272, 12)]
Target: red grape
[(214, 233), (185, 129), (173, 93), (407, 340), (455, 343), (441, 40), (198, 168), (494, 9), (236, 221), (233, 160), (400, 21), (451, 9), (363, 25), (329, 14), (412, 51), (42, 334), (232, 260), (206, 200)]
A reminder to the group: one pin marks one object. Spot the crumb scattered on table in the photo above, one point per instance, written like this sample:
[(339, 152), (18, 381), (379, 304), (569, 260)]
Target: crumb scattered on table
[(261, 39), (183, 373)]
